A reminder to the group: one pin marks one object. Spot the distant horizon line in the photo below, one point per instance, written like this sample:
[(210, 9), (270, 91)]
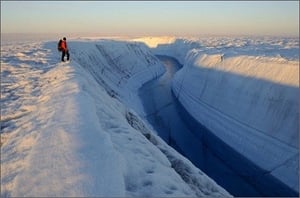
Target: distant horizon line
[(85, 34)]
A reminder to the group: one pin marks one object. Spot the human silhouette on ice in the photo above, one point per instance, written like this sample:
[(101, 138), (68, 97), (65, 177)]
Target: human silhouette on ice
[(63, 47)]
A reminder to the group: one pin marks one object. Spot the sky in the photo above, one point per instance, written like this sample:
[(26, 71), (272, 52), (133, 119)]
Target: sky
[(151, 18)]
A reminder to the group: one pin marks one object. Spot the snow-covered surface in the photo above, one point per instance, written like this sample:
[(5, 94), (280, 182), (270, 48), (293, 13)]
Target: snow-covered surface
[(246, 91), (70, 129), (276, 47), (153, 42)]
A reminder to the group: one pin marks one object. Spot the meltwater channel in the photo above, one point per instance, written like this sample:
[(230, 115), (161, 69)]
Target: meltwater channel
[(173, 123)]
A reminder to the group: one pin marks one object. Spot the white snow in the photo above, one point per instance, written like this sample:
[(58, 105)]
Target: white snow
[(276, 47), (153, 42), (246, 91), (71, 129)]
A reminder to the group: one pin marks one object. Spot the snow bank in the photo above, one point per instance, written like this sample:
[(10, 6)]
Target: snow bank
[(75, 137), (251, 103)]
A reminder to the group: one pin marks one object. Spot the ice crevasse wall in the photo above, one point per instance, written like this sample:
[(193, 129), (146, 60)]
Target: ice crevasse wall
[(118, 65), (250, 102)]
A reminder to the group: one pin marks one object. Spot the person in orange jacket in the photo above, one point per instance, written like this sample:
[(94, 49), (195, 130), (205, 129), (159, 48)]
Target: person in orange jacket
[(64, 49)]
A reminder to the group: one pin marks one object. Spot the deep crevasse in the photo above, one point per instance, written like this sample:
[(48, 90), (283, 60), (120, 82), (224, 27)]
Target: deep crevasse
[(80, 141), (248, 98)]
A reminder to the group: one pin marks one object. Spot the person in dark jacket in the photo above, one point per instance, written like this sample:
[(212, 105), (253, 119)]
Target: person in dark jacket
[(64, 49)]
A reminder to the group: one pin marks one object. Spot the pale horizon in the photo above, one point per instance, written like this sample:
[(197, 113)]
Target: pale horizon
[(138, 19)]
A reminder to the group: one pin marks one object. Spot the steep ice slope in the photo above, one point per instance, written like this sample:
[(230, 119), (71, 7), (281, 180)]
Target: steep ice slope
[(255, 116), (262, 92), (120, 66)]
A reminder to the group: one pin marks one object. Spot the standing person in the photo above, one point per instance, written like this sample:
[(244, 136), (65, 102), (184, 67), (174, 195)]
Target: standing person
[(64, 49)]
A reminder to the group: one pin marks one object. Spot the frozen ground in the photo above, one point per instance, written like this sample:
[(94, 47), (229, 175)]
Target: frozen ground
[(71, 129)]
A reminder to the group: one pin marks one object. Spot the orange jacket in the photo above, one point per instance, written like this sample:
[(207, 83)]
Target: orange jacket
[(64, 45)]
